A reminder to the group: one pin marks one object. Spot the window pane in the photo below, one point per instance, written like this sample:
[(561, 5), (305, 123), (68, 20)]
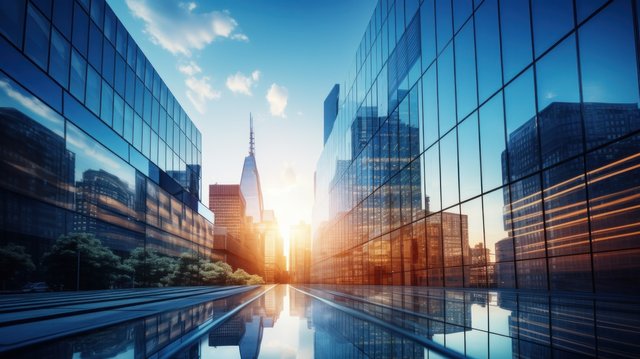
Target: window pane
[(60, 57), (130, 89), (128, 124), (492, 135), (446, 91), (609, 73), (120, 73), (465, 71), (95, 46), (137, 132), (461, 12), (62, 12), (118, 113), (80, 29), (94, 83), (107, 62), (469, 148), (532, 274), (107, 104), (488, 49), (36, 44), (522, 131), (444, 25), (430, 107), (559, 104), (12, 20), (497, 224), (473, 235), (565, 207), (551, 20), (526, 209), (449, 166), (516, 36), (432, 179), (428, 33), (78, 75)]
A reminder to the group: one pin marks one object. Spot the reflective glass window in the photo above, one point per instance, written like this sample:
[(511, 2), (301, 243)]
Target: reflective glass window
[(137, 132), (432, 178), (59, 58), (615, 271), (570, 273), (121, 39), (559, 104), (465, 71), (80, 29), (428, 33), (430, 107), (532, 274), (469, 153), (452, 237), (118, 114), (97, 12), (78, 75), (586, 8), (526, 207), (106, 113), (12, 20), (505, 276), (609, 73), (120, 74), (146, 140), (461, 12), (128, 124), (36, 44), (492, 143), (449, 168), (433, 229), (62, 12), (139, 96), (552, 19), (522, 130), (488, 49), (475, 252), (131, 51), (95, 46), (130, 88), (516, 36), (446, 91), (108, 62), (94, 83), (613, 177), (444, 22), (110, 25), (497, 224)]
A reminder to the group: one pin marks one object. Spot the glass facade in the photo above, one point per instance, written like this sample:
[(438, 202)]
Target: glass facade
[(486, 144), (91, 140)]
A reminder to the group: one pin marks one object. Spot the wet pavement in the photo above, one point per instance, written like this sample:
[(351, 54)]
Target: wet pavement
[(368, 322)]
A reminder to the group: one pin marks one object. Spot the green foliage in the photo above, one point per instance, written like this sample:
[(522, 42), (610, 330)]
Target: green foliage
[(100, 268), (14, 263), (150, 269), (192, 270)]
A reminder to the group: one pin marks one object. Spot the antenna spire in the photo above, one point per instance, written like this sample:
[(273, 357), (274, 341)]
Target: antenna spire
[(252, 139)]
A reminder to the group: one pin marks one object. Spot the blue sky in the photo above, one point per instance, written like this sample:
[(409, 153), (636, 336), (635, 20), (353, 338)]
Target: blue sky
[(277, 59)]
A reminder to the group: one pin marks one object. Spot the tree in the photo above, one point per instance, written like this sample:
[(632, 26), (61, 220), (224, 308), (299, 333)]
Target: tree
[(188, 270), (241, 277), (149, 268), (98, 266), (14, 262), (215, 273)]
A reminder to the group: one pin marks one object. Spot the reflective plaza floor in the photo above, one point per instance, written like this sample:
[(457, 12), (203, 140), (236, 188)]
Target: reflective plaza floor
[(287, 321)]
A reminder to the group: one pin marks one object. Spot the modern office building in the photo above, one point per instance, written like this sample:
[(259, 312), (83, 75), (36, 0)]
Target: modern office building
[(92, 140), (300, 253), (275, 265), (250, 180), (228, 205), (486, 144), (331, 110)]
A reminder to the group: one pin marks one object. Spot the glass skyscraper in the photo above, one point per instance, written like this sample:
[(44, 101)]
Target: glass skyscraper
[(92, 140), (483, 144)]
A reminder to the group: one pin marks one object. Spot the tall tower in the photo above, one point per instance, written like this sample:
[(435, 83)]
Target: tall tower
[(250, 180)]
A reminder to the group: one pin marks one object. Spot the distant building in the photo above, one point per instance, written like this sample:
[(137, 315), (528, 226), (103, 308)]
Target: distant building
[(331, 110), (228, 205), (250, 181), (300, 253), (274, 261)]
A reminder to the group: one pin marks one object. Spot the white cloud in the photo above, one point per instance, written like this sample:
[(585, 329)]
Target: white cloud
[(200, 91), (239, 83), (190, 68), (277, 97), (178, 29)]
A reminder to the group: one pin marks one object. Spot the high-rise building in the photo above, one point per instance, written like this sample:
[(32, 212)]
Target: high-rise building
[(92, 140), (274, 261), (250, 180), (300, 253), (228, 205), (485, 145), (330, 110)]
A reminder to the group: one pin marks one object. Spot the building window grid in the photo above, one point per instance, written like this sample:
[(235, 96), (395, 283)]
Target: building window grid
[(361, 198)]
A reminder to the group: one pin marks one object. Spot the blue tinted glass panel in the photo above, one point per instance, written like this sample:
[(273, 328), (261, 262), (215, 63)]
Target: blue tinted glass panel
[(107, 104), (497, 226), (110, 25), (449, 169), (94, 83), (446, 91), (36, 44), (121, 39), (118, 114), (586, 8), (526, 207), (516, 36), (551, 20), (80, 29), (139, 96), (131, 51), (430, 107), (137, 132), (127, 131), (95, 46), (97, 12), (609, 72), (12, 20), (432, 178), (461, 12), (108, 62), (146, 140), (120, 75), (444, 22), (465, 71), (488, 49), (522, 129), (469, 153), (492, 143), (60, 58), (62, 12), (146, 114), (427, 33), (78, 75), (130, 89), (559, 104)]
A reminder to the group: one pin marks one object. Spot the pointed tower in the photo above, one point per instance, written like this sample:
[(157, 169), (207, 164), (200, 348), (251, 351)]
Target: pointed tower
[(250, 180)]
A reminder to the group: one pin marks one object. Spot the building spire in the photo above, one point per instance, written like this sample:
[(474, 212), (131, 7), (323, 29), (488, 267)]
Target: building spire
[(252, 139)]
